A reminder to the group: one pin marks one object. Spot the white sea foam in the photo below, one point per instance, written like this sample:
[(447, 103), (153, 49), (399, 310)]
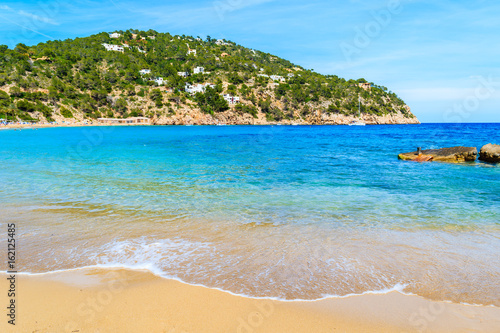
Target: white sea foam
[(153, 270), (156, 255), (400, 288)]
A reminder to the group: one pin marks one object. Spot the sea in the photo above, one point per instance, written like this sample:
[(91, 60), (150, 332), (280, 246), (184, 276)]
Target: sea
[(282, 212)]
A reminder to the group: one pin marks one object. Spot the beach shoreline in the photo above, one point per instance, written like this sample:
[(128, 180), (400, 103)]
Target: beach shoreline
[(36, 126), (124, 300), (97, 124)]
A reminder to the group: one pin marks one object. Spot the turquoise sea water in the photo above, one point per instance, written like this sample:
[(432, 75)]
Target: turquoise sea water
[(295, 212)]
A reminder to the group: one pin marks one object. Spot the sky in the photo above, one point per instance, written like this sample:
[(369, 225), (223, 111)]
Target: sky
[(441, 57)]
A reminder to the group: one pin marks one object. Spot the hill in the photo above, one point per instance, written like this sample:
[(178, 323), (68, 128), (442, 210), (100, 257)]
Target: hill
[(179, 80)]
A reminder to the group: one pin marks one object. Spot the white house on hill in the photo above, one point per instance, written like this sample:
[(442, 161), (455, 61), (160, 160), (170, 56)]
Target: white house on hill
[(115, 35), (277, 78), (199, 70), (193, 89), (160, 81), (221, 42), (231, 99), (145, 71), (111, 47), (183, 74)]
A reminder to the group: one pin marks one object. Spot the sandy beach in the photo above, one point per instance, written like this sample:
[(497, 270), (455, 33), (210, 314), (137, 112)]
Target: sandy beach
[(67, 124), (118, 300)]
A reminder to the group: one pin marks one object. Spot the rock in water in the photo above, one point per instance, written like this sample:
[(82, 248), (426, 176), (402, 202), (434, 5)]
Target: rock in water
[(423, 158), (490, 153), (452, 154)]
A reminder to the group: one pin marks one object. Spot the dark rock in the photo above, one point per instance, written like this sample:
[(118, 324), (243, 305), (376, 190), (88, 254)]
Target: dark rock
[(451, 155), (490, 153)]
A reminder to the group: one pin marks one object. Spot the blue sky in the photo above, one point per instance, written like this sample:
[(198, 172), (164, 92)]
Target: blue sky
[(441, 57)]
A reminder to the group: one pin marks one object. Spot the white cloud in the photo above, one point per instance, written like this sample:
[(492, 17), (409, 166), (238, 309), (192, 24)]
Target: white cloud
[(30, 15), (38, 18)]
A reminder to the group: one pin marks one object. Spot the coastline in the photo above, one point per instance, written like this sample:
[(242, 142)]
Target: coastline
[(76, 124), (194, 117), (35, 126), (123, 300)]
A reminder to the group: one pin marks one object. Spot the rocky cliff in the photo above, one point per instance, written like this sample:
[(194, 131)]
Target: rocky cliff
[(232, 117)]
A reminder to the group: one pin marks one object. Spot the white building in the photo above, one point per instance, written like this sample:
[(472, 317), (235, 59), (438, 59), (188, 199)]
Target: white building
[(263, 75), (221, 42), (183, 74), (115, 35), (277, 78), (231, 99), (199, 70), (145, 71), (193, 89), (152, 37), (193, 52), (111, 47), (291, 75), (160, 81), (141, 51)]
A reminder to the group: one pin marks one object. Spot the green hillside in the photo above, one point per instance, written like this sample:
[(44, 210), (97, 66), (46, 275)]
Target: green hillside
[(80, 77)]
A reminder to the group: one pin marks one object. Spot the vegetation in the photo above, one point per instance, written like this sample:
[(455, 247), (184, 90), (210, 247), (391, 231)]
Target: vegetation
[(81, 78)]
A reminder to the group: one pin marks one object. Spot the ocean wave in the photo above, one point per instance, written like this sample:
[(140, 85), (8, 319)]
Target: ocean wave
[(399, 287)]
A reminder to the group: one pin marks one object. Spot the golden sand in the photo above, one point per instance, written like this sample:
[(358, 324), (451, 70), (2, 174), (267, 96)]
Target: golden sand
[(104, 300)]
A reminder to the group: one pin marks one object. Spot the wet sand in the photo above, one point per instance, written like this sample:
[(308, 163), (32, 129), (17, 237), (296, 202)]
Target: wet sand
[(119, 300)]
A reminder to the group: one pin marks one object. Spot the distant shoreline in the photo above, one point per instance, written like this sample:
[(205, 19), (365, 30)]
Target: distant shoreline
[(35, 126)]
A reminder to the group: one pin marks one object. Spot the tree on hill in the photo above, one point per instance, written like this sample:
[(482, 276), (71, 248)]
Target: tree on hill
[(211, 101)]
